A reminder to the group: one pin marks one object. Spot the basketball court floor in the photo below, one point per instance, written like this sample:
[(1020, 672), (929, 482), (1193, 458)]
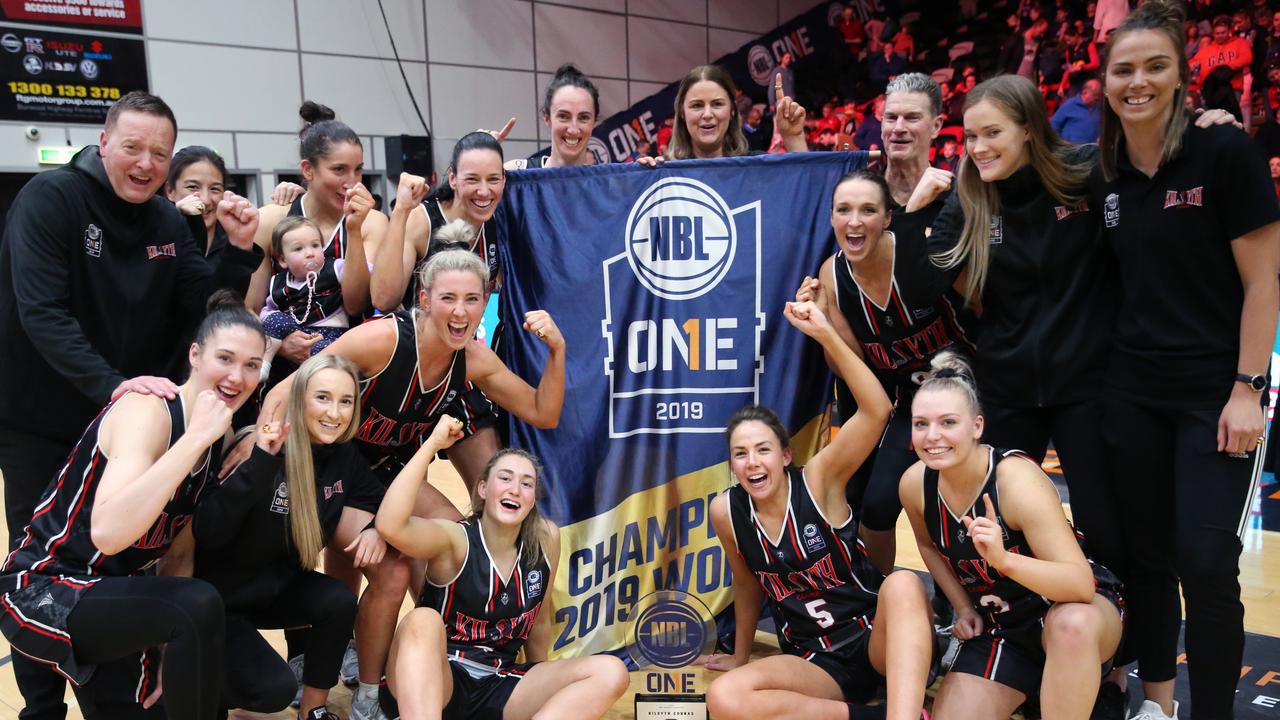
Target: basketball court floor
[(1258, 694)]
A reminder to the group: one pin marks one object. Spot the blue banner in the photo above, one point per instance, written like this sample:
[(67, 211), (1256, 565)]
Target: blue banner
[(668, 285), (752, 66)]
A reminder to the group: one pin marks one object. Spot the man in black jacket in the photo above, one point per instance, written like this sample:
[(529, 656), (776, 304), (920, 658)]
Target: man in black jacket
[(99, 280)]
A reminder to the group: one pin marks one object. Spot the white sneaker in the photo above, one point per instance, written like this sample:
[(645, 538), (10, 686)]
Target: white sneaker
[(366, 708), (295, 664), (349, 673), (1151, 711)]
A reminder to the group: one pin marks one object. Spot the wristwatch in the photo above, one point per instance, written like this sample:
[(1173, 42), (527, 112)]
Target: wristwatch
[(1257, 383)]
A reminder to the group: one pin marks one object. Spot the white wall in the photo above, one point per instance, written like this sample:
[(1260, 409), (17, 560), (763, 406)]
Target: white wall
[(235, 71)]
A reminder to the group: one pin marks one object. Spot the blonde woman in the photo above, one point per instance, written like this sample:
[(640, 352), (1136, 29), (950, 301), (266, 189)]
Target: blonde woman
[(258, 536)]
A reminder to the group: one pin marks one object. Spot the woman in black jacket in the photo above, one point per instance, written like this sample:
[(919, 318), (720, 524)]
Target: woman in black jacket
[(258, 536)]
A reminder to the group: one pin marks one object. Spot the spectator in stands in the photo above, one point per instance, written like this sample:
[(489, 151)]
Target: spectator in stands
[(854, 34), (1262, 33), (868, 135), (664, 135), (754, 128), (1274, 164), (1082, 61), (1224, 50), (1271, 54), (1028, 67), (1195, 40), (904, 44), (743, 101), (875, 34), (1079, 119), (1267, 137), (948, 157), (1107, 17), (1011, 50), (886, 66)]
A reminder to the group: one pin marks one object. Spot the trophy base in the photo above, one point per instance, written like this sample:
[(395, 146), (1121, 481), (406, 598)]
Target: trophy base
[(671, 707)]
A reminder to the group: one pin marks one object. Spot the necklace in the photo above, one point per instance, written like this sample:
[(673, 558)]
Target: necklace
[(311, 292)]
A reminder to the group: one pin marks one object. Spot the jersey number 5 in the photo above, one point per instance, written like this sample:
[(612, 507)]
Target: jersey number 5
[(817, 610)]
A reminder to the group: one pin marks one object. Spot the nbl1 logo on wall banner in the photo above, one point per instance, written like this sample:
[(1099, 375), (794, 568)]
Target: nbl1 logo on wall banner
[(685, 353)]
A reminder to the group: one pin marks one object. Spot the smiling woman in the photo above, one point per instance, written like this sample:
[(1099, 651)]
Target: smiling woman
[(259, 533), (79, 578)]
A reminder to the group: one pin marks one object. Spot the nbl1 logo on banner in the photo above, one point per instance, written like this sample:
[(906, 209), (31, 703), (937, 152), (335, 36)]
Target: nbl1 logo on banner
[(682, 312)]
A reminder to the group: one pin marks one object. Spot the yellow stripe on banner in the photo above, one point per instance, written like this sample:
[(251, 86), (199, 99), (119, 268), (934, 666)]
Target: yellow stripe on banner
[(661, 538)]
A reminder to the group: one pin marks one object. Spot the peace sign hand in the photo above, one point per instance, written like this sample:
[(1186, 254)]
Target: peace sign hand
[(988, 536)]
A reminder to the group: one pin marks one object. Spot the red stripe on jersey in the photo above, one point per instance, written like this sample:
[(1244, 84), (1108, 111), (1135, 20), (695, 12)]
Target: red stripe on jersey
[(869, 311), (90, 476), (790, 530), (896, 299), (517, 577), (12, 611), (942, 523)]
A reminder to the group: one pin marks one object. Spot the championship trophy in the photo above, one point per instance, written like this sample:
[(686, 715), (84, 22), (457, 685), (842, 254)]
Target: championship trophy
[(671, 630)]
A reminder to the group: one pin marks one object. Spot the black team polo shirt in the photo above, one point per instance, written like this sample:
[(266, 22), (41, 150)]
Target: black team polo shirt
[(1177, 335)]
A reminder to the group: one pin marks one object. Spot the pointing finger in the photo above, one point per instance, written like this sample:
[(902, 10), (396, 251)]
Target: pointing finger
[(506, 129), (991, 510)]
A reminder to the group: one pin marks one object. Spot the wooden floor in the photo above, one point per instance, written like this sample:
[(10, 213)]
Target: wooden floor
[(1259, 573)]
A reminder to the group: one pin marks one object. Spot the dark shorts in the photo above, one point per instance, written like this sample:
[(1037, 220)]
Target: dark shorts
[(850, 666), (34, 621), (1016, 658), (474, 409), (473, 698)]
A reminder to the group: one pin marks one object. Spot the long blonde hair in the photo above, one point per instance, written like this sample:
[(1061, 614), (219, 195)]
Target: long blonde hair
[(299, 470), (1018, 98)]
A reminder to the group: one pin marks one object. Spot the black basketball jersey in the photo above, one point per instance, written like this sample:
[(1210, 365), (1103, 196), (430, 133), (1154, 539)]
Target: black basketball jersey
[(397, 412), (900, 338), (311, 302), (58, 542), (335, 246), (1003, 603), (485, 245), (487, 618), (818, 577)]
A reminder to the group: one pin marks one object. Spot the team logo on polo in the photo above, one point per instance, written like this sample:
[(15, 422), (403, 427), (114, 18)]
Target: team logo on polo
[(280, 501), (813, 541), (997, 230), (1111, 210), (93, 241), (1184, 198), (687, 356)]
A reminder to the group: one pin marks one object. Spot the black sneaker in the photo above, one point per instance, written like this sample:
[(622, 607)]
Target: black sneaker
[(1112, 703), (320, 713)]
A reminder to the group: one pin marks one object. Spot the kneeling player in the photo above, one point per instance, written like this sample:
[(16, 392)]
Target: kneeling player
[(1032, 612), (790, 536), (487, 578)]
